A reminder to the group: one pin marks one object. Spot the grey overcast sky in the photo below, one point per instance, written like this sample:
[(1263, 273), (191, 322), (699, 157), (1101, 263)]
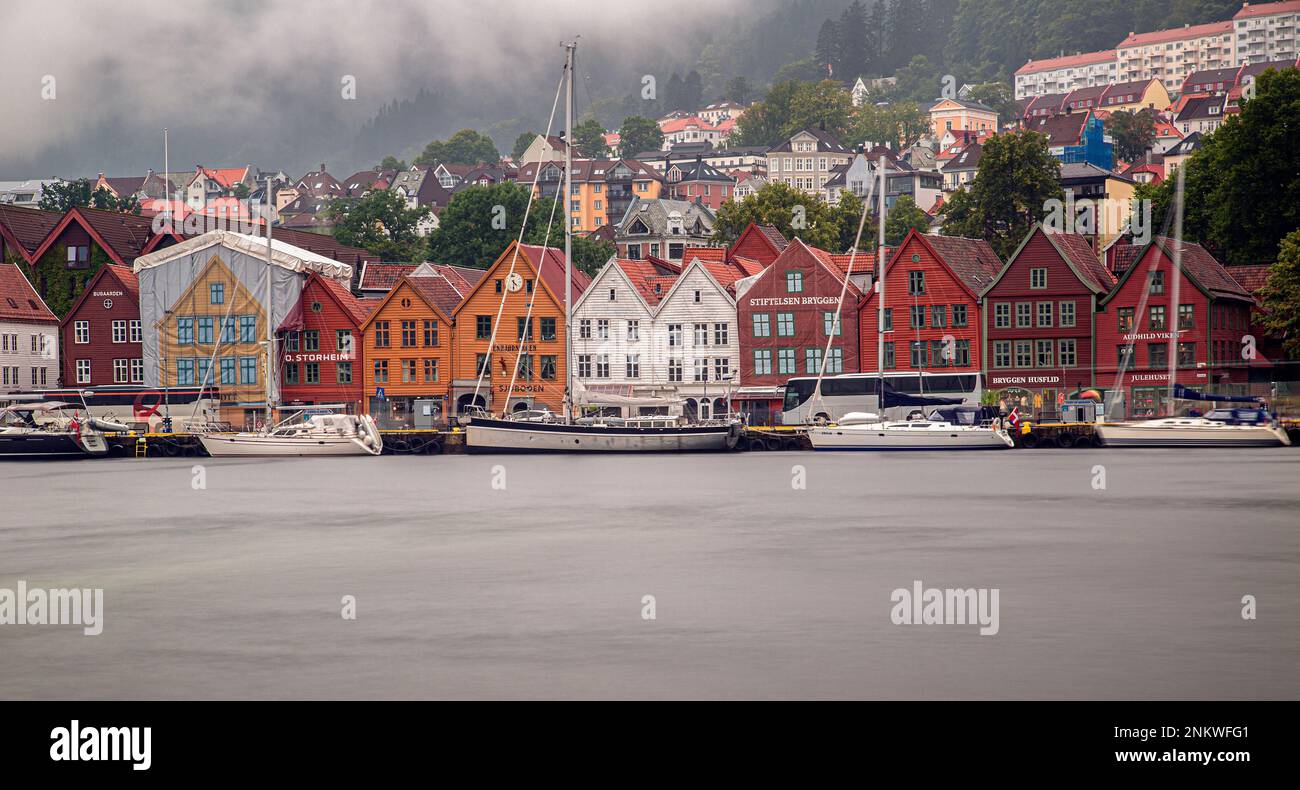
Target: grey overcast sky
[(87, 86)]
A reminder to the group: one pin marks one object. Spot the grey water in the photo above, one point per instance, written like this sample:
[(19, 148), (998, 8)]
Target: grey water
[(1121, 574)]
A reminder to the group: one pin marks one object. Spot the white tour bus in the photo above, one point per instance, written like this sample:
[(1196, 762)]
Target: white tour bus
[(850, 392)]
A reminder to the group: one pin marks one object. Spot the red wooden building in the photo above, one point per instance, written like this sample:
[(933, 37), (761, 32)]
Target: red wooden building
[(932, 304), (322, 358), (22, 230), (785, 318), (1038, 322), (1203, 332), (101, 335)]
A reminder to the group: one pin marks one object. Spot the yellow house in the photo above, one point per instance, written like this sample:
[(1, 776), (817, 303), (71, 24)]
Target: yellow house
[(1148, 94), (602, 188), (955, 115), (215, 313)]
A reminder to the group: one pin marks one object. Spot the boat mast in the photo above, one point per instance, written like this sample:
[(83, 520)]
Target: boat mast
[(880, 288), (568, 229), (1172, 317), (270, 329)]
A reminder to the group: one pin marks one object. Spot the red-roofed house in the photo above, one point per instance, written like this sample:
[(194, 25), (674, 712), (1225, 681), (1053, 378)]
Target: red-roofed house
[(102, 334), (932, 287), (1205, 328), (29, 335), (74, 250), (1038, 322), (322, 357), (22, 230)]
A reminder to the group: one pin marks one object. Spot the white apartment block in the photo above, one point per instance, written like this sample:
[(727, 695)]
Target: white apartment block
[(807, 160), (1065, 74), (1172, 55), (1266, 32)]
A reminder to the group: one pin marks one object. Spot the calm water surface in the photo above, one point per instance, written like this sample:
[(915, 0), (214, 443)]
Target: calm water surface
[(761, 589)]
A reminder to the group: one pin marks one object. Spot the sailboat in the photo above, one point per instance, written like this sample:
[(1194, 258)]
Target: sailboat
[(651, 433), (46, 429), (311, 430), (1221, 427), (944, 429)]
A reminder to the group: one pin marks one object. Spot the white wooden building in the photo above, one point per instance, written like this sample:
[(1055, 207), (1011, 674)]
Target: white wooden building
[(29, 336), (643, 331)]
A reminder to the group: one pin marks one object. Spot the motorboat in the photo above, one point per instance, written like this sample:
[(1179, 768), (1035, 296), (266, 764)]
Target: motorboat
[(313, 434), (52, 429), (601, 435)]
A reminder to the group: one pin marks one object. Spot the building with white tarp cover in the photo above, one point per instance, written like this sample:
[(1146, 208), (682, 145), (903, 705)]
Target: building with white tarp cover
[(203, 305)]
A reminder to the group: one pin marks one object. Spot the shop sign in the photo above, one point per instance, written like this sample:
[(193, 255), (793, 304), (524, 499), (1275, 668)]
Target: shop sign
[(1021, 381), (793, 300)]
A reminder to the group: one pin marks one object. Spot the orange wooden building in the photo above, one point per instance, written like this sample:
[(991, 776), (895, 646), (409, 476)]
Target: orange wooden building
[(408, 343), (496, 338)]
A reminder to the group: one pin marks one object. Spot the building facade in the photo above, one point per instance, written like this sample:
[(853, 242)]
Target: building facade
[(807, 160), (1266, 31), (29, 335), (322, 357), (932, 306), (1142, 332), (1066, 73), (1038, 322), (1171, 55), (102, 335)]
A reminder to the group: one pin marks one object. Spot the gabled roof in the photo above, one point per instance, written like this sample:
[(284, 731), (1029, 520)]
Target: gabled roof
[(548, 262), (654, 214), (1198, 107), (357, 310), (1252, 277), (26, 228), (1062, 129), (972, 261), (282, 253), (1185, 146), (967, 159), (1077, 254), (1211, 77), (1118, 93), (695, 170), (130, 284), (438, 290), (227, 177), (122, 236), (19, 300), (708, 274), (650, 279), (429, 290), (125, 186), (1200, 267), (823, 258)]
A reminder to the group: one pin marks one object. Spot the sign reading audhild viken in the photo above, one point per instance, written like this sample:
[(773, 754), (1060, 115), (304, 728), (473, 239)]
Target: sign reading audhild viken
[(949, 606), (61, 606)]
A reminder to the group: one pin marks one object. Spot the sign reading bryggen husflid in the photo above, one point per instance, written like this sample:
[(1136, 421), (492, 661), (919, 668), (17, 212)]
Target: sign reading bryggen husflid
[(203, 314)]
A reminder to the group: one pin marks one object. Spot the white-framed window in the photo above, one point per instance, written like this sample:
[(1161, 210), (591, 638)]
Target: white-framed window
[(701, 334), (721, 368), (762, 362), (137, 335), (83, 371), (137, 371), (633, 331), (602, 366), (121, 371), (80, 332), (702, 369), (119, 331), (633, 366)]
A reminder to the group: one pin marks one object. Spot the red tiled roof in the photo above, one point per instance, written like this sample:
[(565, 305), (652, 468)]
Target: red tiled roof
[(1267, 9), (350, 303), (1252, 277), (18, 300), (437, 290), (645, 275), (972, 260), (1204, 269), (1122, 256), (124, 234), (549, 263), (749, 266), (1175, 34), (326, 246), (775, 236), (28, 226), (383, 276), (1068, 61)]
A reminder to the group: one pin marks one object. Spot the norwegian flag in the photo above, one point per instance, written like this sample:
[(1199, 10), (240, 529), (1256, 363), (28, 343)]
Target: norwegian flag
[(1013, 419)]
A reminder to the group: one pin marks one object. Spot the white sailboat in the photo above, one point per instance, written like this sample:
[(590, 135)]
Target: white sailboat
[(51, 429), (486, 434), (861, 431), (318, 434)]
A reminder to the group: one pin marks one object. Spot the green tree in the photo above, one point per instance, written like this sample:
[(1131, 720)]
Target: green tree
[(1000, 97), (521, 145), (1281, 296), (589, 254), (1016, 178), (638, 134), (805, 69), (791, 106), (240, 190), (738, 90), (1242, 192), (466, 147), (899, 124), (905, 215), (790, 210), (675, 93), (853, 43), (693, 92), (918, 81), (589, 137), (391, 162), (1133, 132), (380, 222), (65, 195), (827, 50)]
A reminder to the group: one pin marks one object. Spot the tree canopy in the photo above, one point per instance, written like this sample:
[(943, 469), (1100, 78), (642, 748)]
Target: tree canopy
[(793, 212), (639, 134), (382, 223), (64, 195), (466, 147), (1280, 297)]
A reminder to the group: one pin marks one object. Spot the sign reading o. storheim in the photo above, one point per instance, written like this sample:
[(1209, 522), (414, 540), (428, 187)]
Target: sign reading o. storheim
[(23, 605)]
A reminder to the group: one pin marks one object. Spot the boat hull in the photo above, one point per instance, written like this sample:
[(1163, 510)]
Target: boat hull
[(864, 438), (221, 446), (1227, 436), (39, 444), (506, 436)]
